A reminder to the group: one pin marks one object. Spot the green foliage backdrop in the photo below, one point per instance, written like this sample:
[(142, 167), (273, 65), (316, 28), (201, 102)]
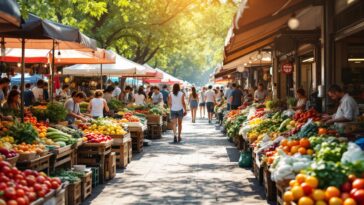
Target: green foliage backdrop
[(182, 37)]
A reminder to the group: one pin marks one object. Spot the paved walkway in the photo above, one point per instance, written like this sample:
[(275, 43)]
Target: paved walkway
[(202, 170)]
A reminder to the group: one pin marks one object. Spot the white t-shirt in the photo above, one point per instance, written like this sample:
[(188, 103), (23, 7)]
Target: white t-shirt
[(116, 92), (210, 95), (139, 99), (177, 101), (97, 107), (202, 97), (38, 93), (348, 108)]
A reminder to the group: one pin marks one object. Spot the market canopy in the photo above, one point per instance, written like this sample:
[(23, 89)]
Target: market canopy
[(257, 24), (10, 17), (62, 57), (166, 79), (42, 34), (122, 67)]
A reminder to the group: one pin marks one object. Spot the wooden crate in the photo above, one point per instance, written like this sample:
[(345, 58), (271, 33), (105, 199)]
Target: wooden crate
[(281, 188), (137, 138), (38, 164), (13, 160), (269, 185), (110, 166), (154, 131), (130, 152), (103, 148), (60, 198), (257, 169), (154, 119), (86, 185), (63, 157), (121, 150), (74, 193)]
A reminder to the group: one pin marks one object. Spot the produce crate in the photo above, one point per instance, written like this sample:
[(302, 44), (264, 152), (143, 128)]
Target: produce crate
[(62, 157), (12, 160), (38, 164), (130, 152), (154, 131), (86, 185), (74, 193), (154, 119), (75, 149), (281, 188), (95, 176), (93, 154), (269, 185), (137, 138), (122, 153), (110, 166), (60, 198), (257, 169)]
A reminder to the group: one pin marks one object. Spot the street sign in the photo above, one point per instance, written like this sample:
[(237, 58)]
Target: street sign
[(287, 68)]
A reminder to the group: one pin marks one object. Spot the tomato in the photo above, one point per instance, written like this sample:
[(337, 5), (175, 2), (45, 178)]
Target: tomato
[(4, 164), (32, 196), (2, 202), (335, 201), (7, 171), (306, 188), (322, 131), (3, 186), (297, 192), (305, 201), (4, 179), (21, 201), (349, 201), (332, 192), (37, 187), (318, 195), (358, 184), (30, 180), (352, 192), (20, 193), (302, 150), (359, 195), (48, 184), (12, 202), (41, 193), (346, 187), (304, 142), (55, 185), (10, 193), (345, 195), (40, 179)]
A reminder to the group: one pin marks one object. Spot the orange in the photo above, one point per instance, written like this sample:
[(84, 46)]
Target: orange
[(335, 201), (331, 192), (295, 142), (320, 203), (293, 183), (302, 150), (286, 149), (304, 142), (349, 201), (309, 151), (290, 143), (284, 142), (312, 181), (288, 196), (300, 178), (305, 201), (294, 149), (297, 192), (318, 194)]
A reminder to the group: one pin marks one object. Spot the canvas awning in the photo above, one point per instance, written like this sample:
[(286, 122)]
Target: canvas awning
[(10, 17), (166, 79), (122, 68), (257, 24)]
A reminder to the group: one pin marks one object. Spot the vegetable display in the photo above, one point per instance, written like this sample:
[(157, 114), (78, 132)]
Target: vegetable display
[(23, 133), (56, 112)]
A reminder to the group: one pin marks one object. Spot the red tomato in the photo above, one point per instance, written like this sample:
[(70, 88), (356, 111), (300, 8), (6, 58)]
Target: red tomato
[(21, 201), (30, 180), (306, 188), (37, 187), (40, 179), (12, 202), (359, 195), (32, 196), (3, 186), (10, 193), (346, 187), (358, 184), (41, 193), (55, 185), (2, 202), (20, 193)]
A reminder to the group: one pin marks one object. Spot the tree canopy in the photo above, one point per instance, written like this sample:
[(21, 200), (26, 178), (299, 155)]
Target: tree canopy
[(182, 37)]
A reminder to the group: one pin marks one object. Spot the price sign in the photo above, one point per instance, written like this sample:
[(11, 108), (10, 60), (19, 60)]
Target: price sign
[(287, 68)]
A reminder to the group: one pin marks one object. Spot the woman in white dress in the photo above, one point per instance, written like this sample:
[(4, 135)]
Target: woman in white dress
[(97, 105), (140, 96)]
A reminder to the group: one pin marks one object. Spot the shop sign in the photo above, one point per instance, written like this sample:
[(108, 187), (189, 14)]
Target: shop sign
[(287, 68)]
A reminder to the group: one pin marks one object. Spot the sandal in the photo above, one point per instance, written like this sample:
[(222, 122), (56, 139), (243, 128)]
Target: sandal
[(175, 139), (179, 139)]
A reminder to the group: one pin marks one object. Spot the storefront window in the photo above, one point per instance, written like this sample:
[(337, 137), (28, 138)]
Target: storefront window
[(353, 74)]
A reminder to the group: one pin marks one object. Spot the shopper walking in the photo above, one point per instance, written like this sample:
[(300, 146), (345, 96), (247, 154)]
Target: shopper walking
[(97, 105), (165, 93), (227, 95), (236, 97), (178, 110), (193, 100), (202, 103), (210, 102)]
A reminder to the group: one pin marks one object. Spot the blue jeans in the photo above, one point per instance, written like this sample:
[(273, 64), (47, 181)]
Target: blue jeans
[(177, 114)]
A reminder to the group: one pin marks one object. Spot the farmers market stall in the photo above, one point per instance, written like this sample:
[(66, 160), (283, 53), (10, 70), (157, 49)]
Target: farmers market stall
[(297, 158)]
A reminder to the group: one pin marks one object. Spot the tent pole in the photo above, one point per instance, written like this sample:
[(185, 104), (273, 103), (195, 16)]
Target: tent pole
[(52, 70), (22, 79), (101, 77)]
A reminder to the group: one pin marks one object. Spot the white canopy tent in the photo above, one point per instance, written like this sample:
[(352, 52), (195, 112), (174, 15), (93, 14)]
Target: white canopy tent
[(168, 78), (121, 67)]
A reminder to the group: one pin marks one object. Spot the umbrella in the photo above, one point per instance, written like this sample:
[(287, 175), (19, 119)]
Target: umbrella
[(10, 17), (37, 33)]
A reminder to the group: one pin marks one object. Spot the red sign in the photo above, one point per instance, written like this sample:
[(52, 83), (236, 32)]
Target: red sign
[(287, 68)]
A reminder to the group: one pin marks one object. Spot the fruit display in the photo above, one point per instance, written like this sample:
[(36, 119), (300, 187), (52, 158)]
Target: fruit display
[(23, 133), (129, 117), (4, 126), (56, 112), (24, 187), (105, 126), (7, 153), (291, 147), (96, 138), (41, 127), (29, 148)]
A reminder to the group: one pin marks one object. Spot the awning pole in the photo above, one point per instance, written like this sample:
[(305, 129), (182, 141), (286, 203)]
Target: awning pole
[(101, 77), (22, 79), (52, 71)]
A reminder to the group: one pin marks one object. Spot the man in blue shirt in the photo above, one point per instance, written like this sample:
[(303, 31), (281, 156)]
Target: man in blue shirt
[(228, 95), (236, 97), (165, 94), (28, 95)]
